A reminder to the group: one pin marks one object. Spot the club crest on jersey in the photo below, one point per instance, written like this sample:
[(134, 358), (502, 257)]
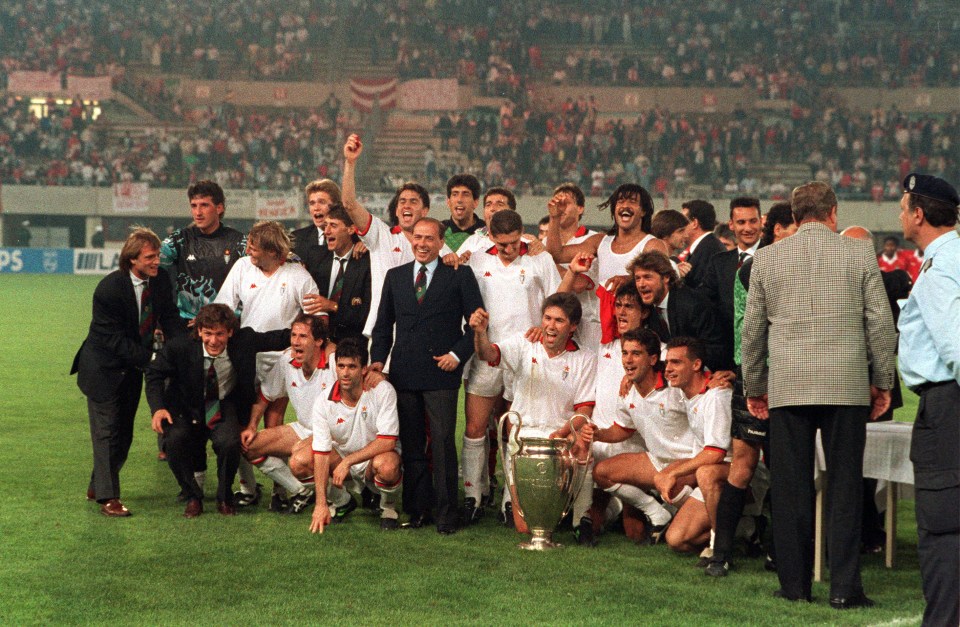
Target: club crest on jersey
[(663, 410), (283, 288), (226, 256), (523, 275), (566, 371), (363, 412)]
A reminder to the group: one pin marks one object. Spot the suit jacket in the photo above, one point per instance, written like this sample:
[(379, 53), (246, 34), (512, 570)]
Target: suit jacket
[(113, 346), (181, 362), (690, 314), (817, 316), (311, 253), (354, 306), (717, 287), (425, 330), (700, 258)]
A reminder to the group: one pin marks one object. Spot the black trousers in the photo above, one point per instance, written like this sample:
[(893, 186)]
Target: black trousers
[(423, 493), (792, 442), (186, 444), (935, 451), (111, 432)]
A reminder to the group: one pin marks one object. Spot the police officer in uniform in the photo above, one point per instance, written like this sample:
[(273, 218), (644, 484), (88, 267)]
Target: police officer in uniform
[(930, 365)]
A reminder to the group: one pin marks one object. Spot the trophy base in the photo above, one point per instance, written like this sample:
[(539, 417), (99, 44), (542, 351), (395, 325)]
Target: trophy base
[(541, 541)]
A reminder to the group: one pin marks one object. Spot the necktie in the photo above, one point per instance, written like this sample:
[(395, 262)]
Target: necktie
[(146, 316), (421, 284), (683, 256), (338, 282), (743, 257), (211, 395), (666, 324)]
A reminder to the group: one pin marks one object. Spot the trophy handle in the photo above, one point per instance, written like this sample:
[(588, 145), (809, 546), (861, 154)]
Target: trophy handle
[(579, 477), (573, 429), (508, 476)]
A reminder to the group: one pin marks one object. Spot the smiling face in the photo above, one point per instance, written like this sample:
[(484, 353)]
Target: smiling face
[(319, 204), (339, 236), (147, 264), (263, 259), (680, 369), (215, 338), (637, 364), (651, 285), (746, 226), (410, 208), (206, 215), (427, 241), (557, 329), (628, 214), (462, 204)]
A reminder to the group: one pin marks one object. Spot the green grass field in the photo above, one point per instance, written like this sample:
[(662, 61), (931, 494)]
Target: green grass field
[(64, 563)]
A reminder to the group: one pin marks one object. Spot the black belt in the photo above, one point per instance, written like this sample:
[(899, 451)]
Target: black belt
[(926, 387)]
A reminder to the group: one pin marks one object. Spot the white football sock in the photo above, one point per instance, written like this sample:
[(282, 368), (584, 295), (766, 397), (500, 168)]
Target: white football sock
[(474, 459), (276, 469), (338, 497), (200, 477), (584, 498), (633, 495), (248, 481), (388, 499)]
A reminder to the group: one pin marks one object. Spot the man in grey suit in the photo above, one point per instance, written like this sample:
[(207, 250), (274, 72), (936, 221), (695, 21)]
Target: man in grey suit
[(817, 317)]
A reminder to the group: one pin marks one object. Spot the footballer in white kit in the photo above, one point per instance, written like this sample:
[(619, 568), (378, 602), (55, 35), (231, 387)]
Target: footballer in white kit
[(554, 379), (355, 433), (301, 375)]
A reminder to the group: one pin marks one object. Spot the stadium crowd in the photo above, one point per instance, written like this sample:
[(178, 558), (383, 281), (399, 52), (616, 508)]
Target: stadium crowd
[(670, 364)]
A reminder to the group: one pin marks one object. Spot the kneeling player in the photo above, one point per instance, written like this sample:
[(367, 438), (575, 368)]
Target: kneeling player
[(656, 412), (708, 412), (301, 376), (355, 435), (553, 380)]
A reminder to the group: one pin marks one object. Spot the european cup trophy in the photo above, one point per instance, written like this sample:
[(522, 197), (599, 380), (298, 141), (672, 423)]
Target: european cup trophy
[(544, 476)]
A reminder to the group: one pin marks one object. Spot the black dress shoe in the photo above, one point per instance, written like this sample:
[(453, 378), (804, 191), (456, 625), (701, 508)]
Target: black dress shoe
[(782, 594), (851, 602), (446, 529)]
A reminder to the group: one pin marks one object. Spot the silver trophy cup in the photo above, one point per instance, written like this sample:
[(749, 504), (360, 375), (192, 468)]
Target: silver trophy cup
[(545, 478)]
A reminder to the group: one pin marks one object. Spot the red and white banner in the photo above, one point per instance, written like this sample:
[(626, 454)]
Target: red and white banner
[(365, 91), (276, 205), (429, 94), (33, 83), (129, 197), (90, 87)]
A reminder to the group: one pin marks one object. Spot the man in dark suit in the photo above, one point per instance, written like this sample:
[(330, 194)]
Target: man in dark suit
[(815, 312), (703, 244), (342, 277), (129, 306), (309, 243), (421, 318), (679, 311)]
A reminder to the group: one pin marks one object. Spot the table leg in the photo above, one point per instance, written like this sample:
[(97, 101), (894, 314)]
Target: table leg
[(890, 520)]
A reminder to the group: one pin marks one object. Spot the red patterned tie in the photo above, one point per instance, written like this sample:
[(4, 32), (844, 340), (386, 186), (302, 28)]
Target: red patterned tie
[(421, 284)]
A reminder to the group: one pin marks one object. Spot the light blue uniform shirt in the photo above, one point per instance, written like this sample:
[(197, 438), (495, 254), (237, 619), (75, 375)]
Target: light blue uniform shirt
[(930, 318)]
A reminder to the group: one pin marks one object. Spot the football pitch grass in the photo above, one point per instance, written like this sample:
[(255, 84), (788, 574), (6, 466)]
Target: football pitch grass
[(64, 563)]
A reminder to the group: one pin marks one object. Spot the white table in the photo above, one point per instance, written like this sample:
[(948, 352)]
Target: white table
[(886, 457)]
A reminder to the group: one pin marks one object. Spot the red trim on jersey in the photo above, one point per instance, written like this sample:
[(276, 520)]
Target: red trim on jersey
[(296, 363), (387, 437), (386, 486), (581, 231), (585, 404), (715, 448), (492, 250), (395, 229), (366, 229), (624, 428), (524, 249), (316, 452), (263, 398), (322, 359), (335, 395), (259, 460), (661, 382), (706, 382), (571, 345), (495, 362)]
